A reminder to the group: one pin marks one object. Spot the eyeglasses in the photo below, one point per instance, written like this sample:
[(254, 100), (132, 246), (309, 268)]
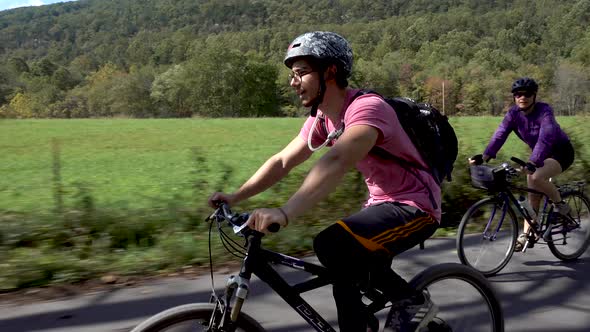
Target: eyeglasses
[(298, 76), (526, 94)]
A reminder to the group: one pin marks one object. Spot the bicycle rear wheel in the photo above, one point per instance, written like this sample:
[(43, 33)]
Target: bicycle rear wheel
[(570, 238), (486, 236), (475, 308), (192, 317)]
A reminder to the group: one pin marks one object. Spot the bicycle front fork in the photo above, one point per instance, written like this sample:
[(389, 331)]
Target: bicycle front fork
[(238, 288), (241, 287)]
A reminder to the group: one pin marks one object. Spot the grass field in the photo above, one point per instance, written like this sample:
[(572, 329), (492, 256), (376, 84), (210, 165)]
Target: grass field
[(81, 198), (131, 163)]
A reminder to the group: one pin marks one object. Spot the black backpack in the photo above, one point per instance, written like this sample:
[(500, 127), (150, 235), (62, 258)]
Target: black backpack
[(429, 130)]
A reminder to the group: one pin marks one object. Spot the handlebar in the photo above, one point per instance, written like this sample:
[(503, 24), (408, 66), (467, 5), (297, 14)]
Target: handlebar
[(237, 220), (478, 160), (524, 164)]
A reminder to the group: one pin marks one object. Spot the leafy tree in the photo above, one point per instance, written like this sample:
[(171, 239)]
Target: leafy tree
[(83, 64), (401, 47), (130, 93), (381, 76), (258, 91), (18, 65), (43, 68), (7, 84), (140, 50), (25, 106), (100, 89), (223, 82), (494, 60), (171, 91), (581, 52), (63, 79)]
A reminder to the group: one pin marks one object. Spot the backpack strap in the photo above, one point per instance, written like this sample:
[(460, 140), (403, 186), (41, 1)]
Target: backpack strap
[(405, 164)]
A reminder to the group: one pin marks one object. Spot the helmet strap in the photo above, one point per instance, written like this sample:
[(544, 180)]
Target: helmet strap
[(320, 96)]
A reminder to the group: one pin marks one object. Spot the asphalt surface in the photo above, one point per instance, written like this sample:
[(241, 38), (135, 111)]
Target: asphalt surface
[(537, 291)]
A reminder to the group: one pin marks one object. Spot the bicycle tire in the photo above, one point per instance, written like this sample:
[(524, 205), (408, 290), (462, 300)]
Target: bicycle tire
[(445, 271), (486, 256), (190, 312), (580, 212)]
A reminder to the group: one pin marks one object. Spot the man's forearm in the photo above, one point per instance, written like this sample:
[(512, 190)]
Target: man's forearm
[(272, 171), (321, 181)]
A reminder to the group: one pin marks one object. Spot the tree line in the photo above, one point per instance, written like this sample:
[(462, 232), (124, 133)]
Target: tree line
[(223, 58)]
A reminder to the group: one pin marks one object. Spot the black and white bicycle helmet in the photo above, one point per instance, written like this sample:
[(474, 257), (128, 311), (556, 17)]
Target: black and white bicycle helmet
[(322, 45), (525, 84)]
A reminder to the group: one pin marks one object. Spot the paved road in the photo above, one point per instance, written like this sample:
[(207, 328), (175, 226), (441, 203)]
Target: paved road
[(538, 293)]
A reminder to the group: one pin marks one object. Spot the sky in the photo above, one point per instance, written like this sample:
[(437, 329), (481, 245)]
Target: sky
[(9, 4)]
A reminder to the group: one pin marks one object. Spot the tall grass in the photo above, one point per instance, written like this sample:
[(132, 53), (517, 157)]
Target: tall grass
[(81, 198)]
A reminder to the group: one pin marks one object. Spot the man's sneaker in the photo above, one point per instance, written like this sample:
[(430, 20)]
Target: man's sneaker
[(562, 208), (411, 314)]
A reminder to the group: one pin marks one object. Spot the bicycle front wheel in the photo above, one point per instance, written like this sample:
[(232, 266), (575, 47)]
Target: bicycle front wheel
[(465, 299), (570, 237), (486, 236), (193, 317)]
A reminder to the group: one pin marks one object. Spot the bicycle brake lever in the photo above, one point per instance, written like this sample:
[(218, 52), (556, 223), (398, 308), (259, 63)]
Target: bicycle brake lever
[(528, 165), (238, 229), (212, 216), (242, 218)]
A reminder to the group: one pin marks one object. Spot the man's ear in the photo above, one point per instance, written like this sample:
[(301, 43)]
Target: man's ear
[(330, 72)]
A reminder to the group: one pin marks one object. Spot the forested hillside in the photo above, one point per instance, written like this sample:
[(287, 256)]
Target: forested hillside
[(181, 58)]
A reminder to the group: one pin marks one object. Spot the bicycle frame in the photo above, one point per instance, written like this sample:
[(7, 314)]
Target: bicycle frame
[(258, 261), (507, 196)]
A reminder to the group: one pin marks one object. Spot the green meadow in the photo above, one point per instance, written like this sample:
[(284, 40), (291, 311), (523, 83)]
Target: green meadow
[(84, 198)]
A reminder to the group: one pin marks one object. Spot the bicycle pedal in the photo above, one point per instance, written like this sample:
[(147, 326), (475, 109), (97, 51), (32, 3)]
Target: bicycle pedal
[(530, 243)]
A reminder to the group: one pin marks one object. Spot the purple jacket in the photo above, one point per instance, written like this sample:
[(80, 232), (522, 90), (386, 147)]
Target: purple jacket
[(539, 130)]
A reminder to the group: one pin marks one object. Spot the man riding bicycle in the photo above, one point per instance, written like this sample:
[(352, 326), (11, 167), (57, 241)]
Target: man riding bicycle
[(403, 208)]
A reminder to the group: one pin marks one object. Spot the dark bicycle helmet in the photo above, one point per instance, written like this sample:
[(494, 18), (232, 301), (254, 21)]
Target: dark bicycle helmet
[(525, 84), (322, 45)]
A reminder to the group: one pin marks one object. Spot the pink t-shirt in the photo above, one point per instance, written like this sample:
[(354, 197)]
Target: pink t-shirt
[(386, 180)]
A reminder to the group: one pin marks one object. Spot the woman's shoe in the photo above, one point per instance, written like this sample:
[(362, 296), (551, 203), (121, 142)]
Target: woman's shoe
[(520, 241)]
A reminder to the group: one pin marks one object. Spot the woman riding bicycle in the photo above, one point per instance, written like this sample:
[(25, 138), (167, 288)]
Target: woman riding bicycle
[(403, 208), (552, 152)]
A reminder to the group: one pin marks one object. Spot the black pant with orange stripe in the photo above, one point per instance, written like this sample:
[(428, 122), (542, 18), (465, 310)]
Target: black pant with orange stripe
[(358, 251)]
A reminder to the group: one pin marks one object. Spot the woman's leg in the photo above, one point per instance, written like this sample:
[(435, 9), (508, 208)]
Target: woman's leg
[(540, 182)]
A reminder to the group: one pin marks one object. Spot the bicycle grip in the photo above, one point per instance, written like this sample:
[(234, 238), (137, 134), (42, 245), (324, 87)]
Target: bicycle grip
[(273, 228), (478, 159), (518, 161)]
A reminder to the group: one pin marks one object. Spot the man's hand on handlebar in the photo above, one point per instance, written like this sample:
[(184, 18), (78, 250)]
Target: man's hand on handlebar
[(218, 197), (261, 219)]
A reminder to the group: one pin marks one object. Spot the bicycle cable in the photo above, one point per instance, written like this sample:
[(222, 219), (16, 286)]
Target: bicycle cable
[(211, 263), (236, 250)]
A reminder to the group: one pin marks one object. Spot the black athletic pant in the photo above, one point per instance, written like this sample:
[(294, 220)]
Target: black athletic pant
[(359, 249)]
